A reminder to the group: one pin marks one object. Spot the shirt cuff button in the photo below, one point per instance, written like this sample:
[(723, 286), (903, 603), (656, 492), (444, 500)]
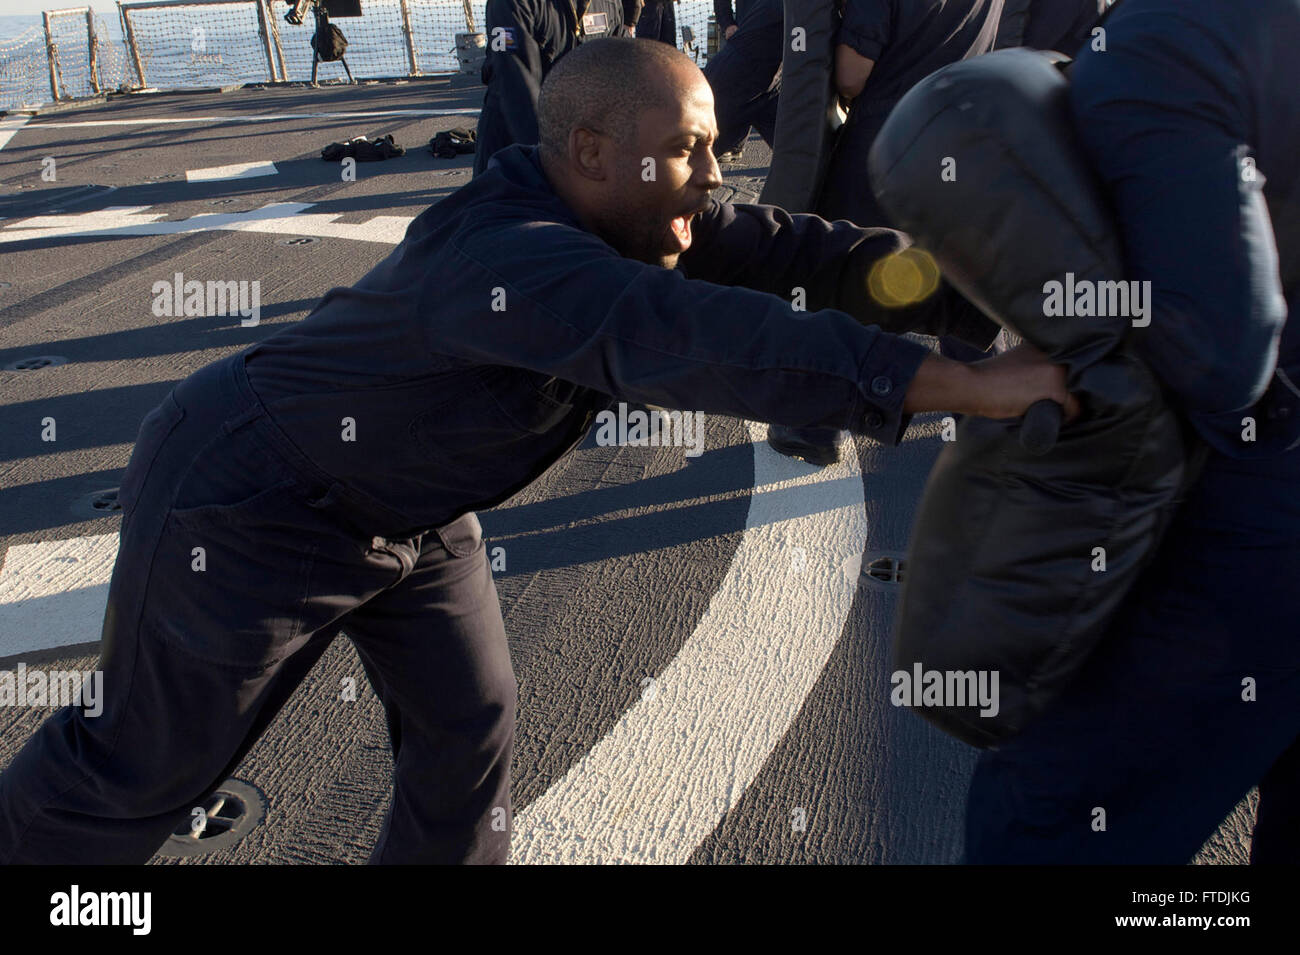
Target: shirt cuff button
[(875, 421), (880, 385)]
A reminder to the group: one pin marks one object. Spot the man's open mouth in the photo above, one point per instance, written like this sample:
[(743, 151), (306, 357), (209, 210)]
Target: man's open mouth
[(679, 231)]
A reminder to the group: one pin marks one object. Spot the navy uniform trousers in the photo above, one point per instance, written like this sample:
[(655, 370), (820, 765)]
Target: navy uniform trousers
[(658, 21), (1159, 729), (290, 560), (745, 76)]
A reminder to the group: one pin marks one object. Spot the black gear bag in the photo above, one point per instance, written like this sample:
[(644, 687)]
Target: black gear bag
[(1018, 561)]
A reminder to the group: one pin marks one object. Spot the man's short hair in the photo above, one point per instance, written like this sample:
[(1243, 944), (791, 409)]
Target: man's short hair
[(604, 85)]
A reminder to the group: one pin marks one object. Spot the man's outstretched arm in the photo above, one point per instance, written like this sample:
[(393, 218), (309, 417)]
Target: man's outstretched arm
[(645, 333), (768, 249)]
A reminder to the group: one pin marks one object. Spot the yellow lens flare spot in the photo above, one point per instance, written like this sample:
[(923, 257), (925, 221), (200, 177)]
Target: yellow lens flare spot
[(904, 278)]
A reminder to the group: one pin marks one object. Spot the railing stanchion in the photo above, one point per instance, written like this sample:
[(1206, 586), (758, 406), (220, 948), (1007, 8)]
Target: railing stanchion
[(275, 38), (265, 34), (51, 57), (135, 50), (93, 42), (410, 43)]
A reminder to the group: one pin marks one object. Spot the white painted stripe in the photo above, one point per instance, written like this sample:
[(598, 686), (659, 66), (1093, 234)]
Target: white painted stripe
[(280, 218), (239, 170), (10, 126), (53, 593), (663, 778), (256, 118)]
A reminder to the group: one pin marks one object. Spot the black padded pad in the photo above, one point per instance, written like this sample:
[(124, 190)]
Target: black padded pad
[(1024, 208), (1002, 568)]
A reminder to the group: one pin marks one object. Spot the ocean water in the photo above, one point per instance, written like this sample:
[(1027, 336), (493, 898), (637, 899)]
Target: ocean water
[(14, 25)]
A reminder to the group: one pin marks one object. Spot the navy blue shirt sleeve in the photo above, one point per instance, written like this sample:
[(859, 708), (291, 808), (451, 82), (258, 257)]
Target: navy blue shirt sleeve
[(644, 333), (515, 72), (867, 26), (1162, 115), (766, 248)]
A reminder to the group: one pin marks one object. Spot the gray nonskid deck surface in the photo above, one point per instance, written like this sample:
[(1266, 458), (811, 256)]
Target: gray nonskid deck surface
[(624, 565)]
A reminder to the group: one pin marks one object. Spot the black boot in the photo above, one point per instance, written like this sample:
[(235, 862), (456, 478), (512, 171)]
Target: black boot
[(818, 446)]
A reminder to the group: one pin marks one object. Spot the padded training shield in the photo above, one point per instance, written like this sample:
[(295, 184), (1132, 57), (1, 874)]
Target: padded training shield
[(804, 135), (1005, 569)]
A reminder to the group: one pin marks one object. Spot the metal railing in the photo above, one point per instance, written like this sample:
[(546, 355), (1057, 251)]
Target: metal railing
[(178, 44), (67, 57)]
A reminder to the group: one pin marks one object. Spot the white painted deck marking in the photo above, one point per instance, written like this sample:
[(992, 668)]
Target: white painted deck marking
[(239, 170), (53, 593), (9, 126), (680, 759), (257, 118), (279, 218)]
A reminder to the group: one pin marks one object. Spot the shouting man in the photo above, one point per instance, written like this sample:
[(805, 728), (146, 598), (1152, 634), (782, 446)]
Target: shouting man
[(331, 472)]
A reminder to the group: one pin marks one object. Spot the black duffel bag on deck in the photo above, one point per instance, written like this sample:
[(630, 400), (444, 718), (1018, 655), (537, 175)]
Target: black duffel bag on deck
[(333, 46), (1005, 568)]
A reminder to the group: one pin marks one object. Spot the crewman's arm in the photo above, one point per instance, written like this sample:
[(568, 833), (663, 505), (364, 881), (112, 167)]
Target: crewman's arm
[(557, 300), (1162, 115), (722, 13), (768, 249), (514, 64), (864, 33), (575, 309), (1013, 22)]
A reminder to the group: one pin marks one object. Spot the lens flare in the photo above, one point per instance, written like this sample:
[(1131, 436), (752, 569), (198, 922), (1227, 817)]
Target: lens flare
[(904, 278)]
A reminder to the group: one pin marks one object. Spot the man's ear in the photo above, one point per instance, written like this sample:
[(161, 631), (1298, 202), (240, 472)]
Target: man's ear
[(588, 153)]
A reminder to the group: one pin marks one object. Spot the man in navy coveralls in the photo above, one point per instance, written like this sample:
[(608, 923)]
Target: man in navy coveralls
[(331, 472)]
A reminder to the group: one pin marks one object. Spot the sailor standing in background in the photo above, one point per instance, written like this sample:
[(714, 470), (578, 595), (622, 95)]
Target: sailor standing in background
[(884, 48), (524, 40), (658, 21), (746, 73)]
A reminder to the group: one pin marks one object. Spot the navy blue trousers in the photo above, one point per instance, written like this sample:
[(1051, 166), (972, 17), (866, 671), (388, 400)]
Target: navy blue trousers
[(658, 21), (197, 662), (745, 76), (1192, 699), (846, 190), (492, 131)]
